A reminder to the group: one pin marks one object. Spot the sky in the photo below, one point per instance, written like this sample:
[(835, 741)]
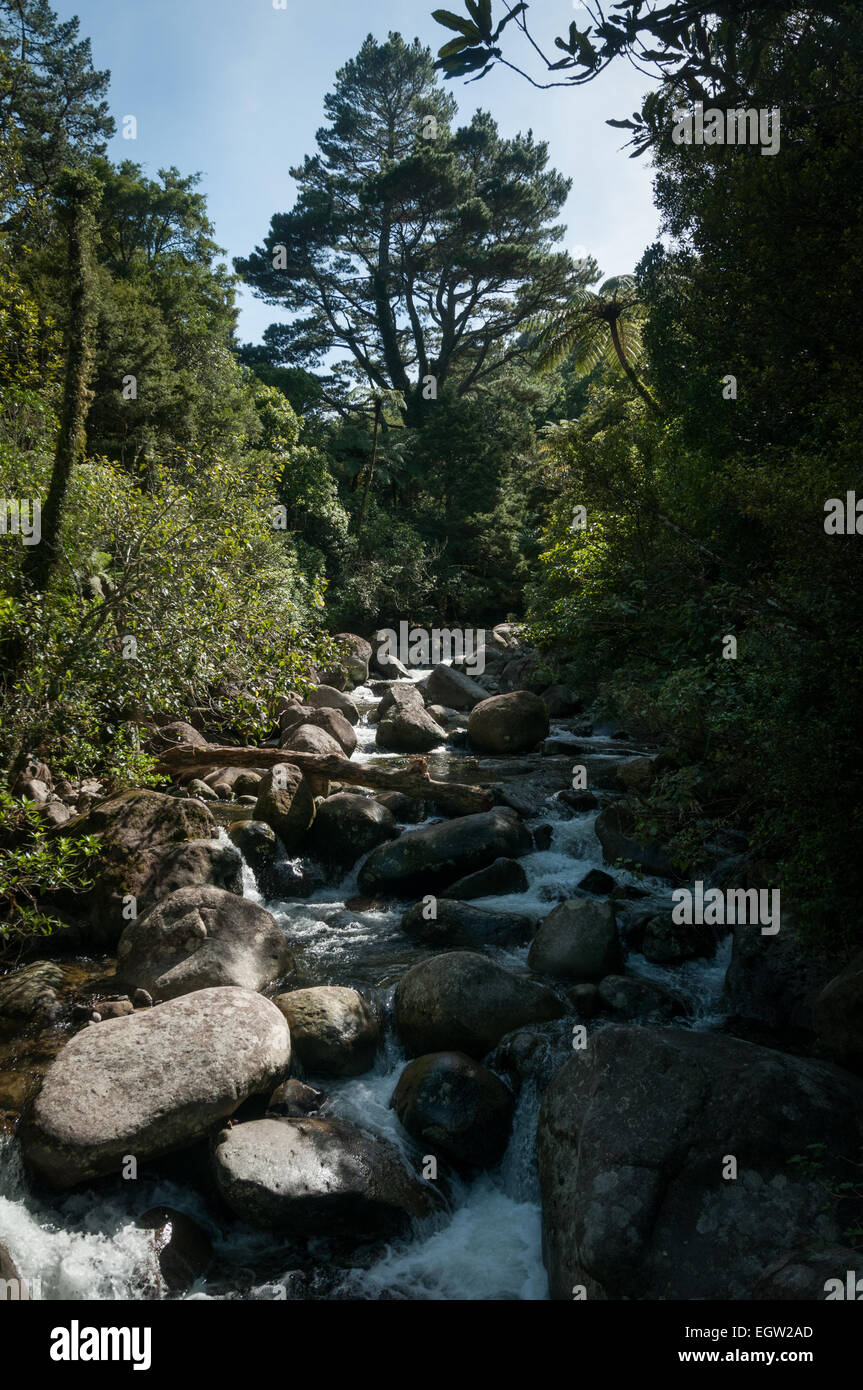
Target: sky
[(234, 89)]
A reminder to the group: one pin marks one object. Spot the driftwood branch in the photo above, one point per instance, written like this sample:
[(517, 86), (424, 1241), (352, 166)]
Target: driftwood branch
[(457, 798)]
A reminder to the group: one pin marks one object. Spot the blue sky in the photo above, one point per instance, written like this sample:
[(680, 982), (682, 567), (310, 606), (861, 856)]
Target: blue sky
[(234, 89)]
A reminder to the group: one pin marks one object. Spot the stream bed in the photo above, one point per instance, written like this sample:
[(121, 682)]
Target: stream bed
[(487, 1244)]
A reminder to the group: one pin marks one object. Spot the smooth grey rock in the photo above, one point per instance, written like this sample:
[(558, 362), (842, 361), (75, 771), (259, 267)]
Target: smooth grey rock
[(334, 1032), (577, 941), (633, 1137), (152, 1082), (432, 857), (317, 1176), (465, 1002), (202, 938)]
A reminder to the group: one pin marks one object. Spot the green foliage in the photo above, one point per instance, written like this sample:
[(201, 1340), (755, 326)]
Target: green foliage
[(418, 249), (191, 569), (33, 866)]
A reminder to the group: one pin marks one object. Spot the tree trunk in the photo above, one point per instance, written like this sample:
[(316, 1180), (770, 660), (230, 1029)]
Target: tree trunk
[(79, 194), (455, 797), (371, 472), (621, 356)]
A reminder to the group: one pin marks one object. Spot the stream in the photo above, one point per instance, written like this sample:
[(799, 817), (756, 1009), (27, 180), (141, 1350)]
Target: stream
[(487, 1246)]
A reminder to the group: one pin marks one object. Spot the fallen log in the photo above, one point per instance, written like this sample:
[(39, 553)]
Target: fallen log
[(457, 798)]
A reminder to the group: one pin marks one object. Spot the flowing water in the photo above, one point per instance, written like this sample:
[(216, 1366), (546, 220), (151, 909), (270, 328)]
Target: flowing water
[(486, 1246)]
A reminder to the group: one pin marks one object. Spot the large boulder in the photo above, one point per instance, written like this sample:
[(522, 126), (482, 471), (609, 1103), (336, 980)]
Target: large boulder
[(635, 1141), (513, 723), (200, 938), (399, 696), (285, 802), (838, 1015), (382, 662), (195, 862), (616, 832), (523, 672), (331, 721), (347, 826), (181, 1247), (258, 844), (502, 877), (327, 697), (409, 729), (311, 738), (451, 688), (153, 1081), (433, 856), (317, 1176), (334, 1032), (31, 992), (626, 997), (465, 1002), (805, 1275), (447, 922), (356, 655), (136, 830), (577, 941), (174, 735), (666, 942), (456, 1108)]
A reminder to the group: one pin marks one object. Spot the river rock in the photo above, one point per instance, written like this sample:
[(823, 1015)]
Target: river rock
[(452, 689), (523, 673), (805, 1274), (153, 1082), (577, 941), (310, 738), (409, 729), (193, 863), (597, 881), (31, 992), (382, 663), (257, 843), (625, 997), (434, 856), (456, 1108), (407, 809), (294, 1099), (317, 1176), (327, 697), (332, 721), (666, 942), (465, 1002), (200, 938), (398, 697), (182, 1247), (175, 734), (513, 723), (334, 1032), (501, 877), (135, 829), (347, 826), (357, 655), (615, 829), (286, 803), (633, 1136), (462, 925)]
